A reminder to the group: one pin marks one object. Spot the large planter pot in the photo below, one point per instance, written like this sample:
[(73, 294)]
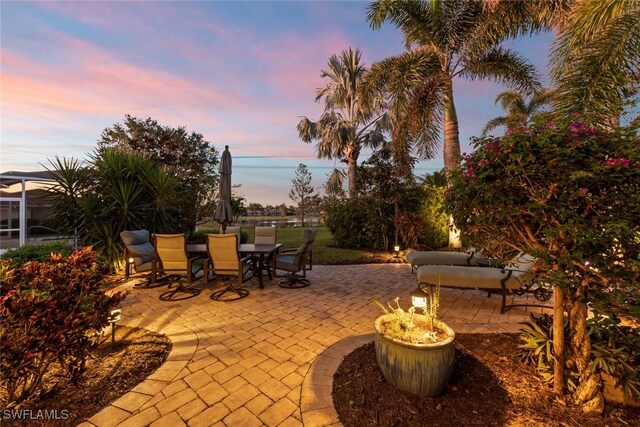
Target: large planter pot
[(421, 369), (617, 395)]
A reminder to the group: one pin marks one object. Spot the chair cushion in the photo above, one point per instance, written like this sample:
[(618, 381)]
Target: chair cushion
[(265, 236), (142, 253), (465, 277), (439, 258), (135, 237), (287, 262), (139, 247), (478, 277)]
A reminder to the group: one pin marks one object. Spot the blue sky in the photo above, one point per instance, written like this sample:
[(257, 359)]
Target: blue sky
[(240, 73)]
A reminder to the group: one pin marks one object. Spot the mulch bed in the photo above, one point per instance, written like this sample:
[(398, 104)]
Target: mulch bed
[(490, 387), (115, 370)]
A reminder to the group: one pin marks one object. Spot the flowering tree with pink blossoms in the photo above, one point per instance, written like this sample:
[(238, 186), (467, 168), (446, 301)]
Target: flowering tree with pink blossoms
[(567, 193)]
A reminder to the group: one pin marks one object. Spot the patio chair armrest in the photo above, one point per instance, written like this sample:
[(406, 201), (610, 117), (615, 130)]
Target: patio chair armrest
[(288, 250), (515, 270)]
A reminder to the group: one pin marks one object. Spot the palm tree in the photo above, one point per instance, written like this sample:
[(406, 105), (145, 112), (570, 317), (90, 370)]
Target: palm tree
[(444, 40), (518, 110), (345, 126), (595, 60)]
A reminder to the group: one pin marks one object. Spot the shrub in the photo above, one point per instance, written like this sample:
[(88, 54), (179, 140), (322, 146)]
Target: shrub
[(51, 313), (435, 229), (117, 191), (568, 193), (615, 350), (41, 252), (354, 223)]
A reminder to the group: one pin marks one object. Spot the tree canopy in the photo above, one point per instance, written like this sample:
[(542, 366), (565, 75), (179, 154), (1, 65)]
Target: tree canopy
[(568, 193), (301, 191), (444, 40), (185, 155), (346, 125)]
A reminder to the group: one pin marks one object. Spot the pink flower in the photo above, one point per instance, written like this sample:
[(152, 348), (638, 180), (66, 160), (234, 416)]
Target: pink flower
[(584, 191), (470, 172), (576, 128), (618, 163), (483, 162)]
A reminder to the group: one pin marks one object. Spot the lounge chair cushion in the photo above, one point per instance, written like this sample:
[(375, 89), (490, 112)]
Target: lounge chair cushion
[(478, 277), (445, 258)]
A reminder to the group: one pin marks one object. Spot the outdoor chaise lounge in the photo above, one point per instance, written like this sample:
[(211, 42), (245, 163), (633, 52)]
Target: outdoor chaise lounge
[(516, 277), (469, 258)]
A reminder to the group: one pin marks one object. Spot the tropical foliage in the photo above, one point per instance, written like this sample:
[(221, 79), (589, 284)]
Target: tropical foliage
[(518, 110), (389, 210), (595, 60), (36, 252), (116, 191), (435, 222), (444, 40), (615, 350), (185, 155), (568, 193), (345, 126), (51, 314)]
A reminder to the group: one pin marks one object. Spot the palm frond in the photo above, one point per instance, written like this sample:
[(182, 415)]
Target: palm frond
[(503, 66), (420, 21), (307, 130), (494, 123), (511, 101), (597, 72), (334, 182)]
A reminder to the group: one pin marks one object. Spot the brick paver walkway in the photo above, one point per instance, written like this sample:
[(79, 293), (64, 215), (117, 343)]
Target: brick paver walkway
[(269, 359)]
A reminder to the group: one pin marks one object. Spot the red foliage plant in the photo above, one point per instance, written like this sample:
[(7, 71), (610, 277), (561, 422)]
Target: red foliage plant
[(51, 313)]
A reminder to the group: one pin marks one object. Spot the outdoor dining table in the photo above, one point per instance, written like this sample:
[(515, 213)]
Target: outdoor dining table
[(258, 253)]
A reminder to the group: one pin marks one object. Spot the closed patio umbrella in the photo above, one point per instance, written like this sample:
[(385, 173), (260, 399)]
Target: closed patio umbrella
[(224, 213)]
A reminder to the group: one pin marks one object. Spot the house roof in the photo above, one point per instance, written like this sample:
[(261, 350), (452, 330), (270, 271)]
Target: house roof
[(14, 177)]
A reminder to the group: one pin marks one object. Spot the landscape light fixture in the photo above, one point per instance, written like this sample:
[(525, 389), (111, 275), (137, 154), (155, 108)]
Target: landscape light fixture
[(114, 317), (419, 298), (396, 249)]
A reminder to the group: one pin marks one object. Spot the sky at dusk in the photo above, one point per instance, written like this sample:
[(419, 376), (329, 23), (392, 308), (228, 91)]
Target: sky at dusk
[(240, 73)]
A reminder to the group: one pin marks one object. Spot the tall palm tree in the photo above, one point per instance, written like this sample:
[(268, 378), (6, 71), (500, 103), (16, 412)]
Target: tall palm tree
[(518, 110), (445, 40), (595, 60), (345, 126)]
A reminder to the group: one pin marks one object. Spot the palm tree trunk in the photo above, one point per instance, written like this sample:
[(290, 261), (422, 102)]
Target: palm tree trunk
[(451, 150), (351, 155), (558, 341), (588, 394), (451, 132)]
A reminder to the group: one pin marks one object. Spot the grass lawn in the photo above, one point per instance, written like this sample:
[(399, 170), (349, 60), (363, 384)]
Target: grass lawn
[(323, 250)]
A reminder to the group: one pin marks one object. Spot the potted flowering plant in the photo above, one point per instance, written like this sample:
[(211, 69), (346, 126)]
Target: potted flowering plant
[(415, 352)]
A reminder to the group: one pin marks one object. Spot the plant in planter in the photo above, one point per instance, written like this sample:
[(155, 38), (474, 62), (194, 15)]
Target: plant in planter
[(415, 351)]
